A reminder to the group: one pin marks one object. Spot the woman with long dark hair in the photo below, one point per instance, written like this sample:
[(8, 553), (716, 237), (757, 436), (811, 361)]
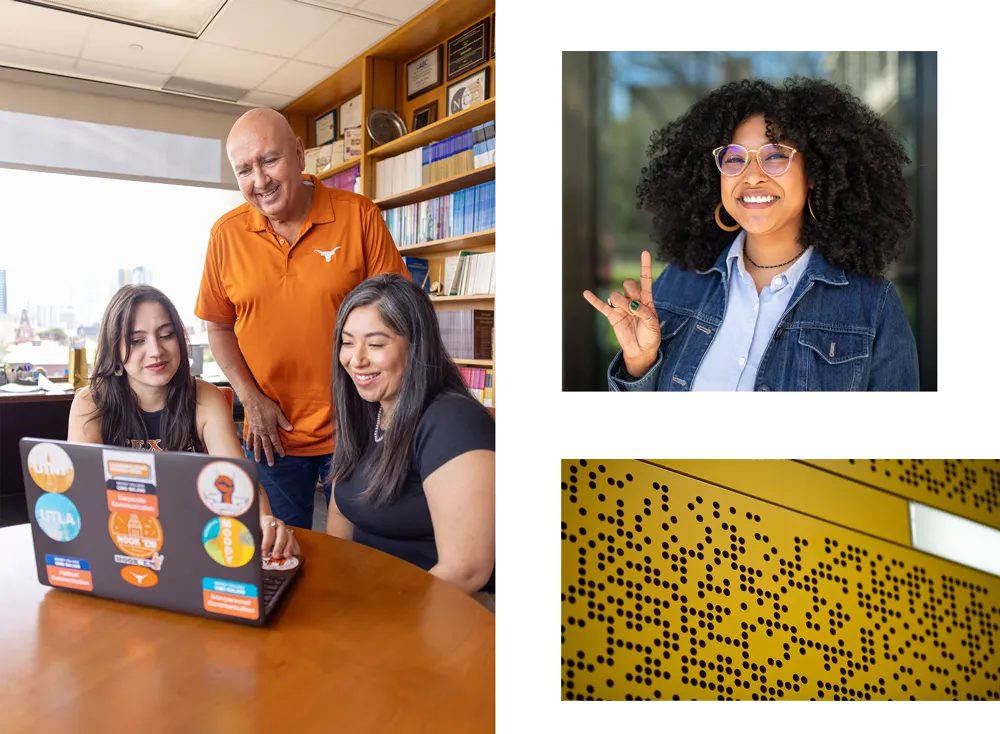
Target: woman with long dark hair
[(142, 395), (414, 468)]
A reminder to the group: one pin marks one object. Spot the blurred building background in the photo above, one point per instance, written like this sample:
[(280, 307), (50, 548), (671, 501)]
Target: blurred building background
[(613, 101)]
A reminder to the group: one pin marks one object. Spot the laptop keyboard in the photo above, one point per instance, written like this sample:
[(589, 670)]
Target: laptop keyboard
[(271, 586)]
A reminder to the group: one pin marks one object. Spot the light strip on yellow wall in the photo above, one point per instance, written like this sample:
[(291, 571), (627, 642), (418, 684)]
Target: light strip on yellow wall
[(802, 488)]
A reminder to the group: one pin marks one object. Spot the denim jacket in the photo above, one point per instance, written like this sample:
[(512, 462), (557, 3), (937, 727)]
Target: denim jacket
[(839, 332)]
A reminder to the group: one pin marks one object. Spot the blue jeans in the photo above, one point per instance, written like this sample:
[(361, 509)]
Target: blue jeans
[(291, 485)]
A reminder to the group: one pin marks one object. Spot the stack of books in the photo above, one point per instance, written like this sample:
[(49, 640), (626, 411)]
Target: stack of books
[(479, 380), (470, 274), (464, 212), (349, 180), (467, 333)]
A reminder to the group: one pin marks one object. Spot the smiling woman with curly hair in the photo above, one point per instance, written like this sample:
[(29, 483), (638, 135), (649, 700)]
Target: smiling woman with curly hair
[(779, 209)]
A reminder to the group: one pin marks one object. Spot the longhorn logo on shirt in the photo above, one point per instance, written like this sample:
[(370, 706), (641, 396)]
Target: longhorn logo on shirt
[(328, 253)]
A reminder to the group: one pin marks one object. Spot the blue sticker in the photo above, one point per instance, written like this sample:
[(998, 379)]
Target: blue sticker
[(229, 587), (58, 517), (77, 564)]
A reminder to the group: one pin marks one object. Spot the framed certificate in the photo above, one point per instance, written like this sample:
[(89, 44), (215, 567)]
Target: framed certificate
[(424, 73), (469, 91), (324, 129), (350, 114), (469, 49)]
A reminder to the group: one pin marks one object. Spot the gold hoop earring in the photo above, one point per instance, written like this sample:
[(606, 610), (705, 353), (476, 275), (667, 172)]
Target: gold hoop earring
[(810, 205), (718, 220)]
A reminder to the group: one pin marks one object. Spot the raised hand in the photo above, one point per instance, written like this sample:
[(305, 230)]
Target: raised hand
[(634, 319)]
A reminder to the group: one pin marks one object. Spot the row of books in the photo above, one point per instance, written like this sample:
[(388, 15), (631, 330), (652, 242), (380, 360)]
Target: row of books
[(324, 157), (349, 180), (461, 153), (470, 274), (479, 380), (464, 212), (467, 333)]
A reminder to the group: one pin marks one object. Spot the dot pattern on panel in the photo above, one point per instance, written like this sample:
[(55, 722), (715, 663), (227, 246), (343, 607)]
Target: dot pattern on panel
[(673, 588)]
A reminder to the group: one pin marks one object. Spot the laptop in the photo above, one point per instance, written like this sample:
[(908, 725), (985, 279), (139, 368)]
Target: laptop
[(173, 530)]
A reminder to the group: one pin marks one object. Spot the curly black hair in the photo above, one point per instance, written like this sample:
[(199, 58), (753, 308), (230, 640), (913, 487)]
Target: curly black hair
[(854, 159)]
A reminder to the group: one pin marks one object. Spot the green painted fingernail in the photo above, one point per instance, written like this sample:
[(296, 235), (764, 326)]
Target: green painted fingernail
[(634, 305)]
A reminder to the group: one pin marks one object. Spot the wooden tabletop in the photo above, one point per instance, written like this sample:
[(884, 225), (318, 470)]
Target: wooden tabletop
[(364, 643)]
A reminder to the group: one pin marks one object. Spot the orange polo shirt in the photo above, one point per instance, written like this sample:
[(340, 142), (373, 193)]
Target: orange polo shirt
[(284, 300)]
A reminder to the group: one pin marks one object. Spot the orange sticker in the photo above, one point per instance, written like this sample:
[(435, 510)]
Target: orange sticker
[(138, 576), (140, 536), (127, 502), (127, 469), (50, 467), (234, 606)]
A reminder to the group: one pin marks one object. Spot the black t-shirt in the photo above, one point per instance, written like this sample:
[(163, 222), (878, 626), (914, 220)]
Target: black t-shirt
[(451, 426)]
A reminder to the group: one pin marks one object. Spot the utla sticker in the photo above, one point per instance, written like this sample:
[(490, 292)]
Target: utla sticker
[(232, 598), (50, 467), (58, 517), (70, 573)]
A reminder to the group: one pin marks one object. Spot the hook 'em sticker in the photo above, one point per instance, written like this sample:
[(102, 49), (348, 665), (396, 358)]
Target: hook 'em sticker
[(50, 467), (140, 536), (70, 573)]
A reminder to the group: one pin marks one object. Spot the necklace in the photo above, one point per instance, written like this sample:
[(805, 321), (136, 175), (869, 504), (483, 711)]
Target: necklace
[(378, 419), (764, 267)]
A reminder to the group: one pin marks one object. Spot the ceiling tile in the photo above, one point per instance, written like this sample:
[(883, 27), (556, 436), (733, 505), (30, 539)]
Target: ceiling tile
[(187, 16), (275, 27), (41, 29), (232, 67), (397, 9), (161, 52), (264, 99), (23, 58), (346, 39), (294, 78), (121, 74)]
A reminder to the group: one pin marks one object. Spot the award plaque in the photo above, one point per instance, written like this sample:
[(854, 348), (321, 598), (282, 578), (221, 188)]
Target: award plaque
[(424, 73), (324, 129), (469, 49), (424, 116), (472, 90)]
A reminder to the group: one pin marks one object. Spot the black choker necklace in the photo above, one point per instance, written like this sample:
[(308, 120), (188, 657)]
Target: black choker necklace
[(764, 267)]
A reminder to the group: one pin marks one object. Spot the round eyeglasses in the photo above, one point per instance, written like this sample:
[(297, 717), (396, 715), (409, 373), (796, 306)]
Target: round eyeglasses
[(774, 160)]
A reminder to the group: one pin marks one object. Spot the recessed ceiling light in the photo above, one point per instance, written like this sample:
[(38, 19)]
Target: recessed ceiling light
[(135, 48)]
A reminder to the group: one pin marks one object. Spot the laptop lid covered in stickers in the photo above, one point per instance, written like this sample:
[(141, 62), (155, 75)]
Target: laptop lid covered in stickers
[(173, 530)]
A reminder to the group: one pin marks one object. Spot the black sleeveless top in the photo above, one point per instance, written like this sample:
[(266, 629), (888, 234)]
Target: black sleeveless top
[(154, 435)]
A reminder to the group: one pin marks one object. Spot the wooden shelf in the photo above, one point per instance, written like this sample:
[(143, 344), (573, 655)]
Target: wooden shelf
[(456, 299), (439, 188), (452, 244), (346, 165), (474, 362), (480, 113)]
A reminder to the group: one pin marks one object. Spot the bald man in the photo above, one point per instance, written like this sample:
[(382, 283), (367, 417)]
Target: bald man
[(276, 271)]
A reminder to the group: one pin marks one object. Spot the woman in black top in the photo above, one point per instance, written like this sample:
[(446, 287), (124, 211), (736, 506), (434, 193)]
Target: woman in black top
[(414, 468), (142, 395)]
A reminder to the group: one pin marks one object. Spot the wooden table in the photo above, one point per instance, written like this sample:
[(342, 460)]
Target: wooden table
[(364, 643)]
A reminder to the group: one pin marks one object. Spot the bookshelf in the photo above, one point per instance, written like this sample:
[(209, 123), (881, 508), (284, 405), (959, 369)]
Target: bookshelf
[(379, 76)]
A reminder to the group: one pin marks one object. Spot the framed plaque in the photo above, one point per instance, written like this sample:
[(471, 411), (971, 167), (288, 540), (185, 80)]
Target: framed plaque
[(324, 129), (350, 114), (469, 49), (424, 116), (469, 91), (424, 73)]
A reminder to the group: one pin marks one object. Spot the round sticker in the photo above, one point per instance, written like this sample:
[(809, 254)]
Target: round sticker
[(280, 564), (50, 467), (138, 535), (58, 517), (139, 576), (228, 541), (225, 489)]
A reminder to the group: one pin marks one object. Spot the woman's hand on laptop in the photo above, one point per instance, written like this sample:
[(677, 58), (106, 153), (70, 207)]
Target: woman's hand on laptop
[(279, 541)]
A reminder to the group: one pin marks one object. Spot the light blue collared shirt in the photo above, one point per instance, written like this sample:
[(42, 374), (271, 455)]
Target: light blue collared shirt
[(733, 358)]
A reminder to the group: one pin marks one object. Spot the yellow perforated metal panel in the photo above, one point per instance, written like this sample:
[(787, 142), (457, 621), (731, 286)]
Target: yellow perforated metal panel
[(966, 487), (674, 588)]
